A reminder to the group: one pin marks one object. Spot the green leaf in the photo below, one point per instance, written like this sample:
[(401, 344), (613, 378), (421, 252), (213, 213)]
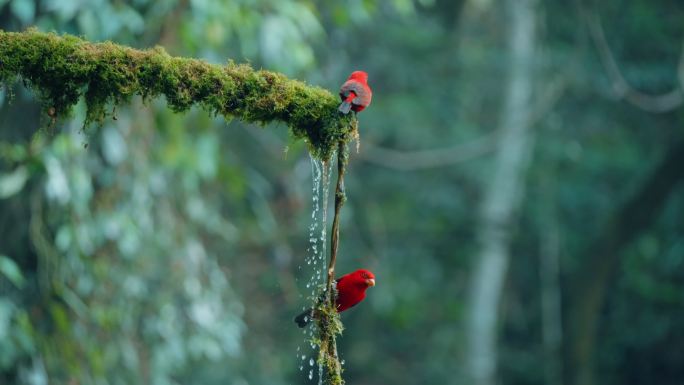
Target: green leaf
[(9, 269)]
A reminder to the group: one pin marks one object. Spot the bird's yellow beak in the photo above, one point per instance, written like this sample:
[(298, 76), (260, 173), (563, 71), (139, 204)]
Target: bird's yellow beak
[(370, 282)]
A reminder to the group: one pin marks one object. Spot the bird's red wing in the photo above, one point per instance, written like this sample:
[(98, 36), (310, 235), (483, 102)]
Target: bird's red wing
[(363, 96), (349, 86), (338, 280), (354, 303)]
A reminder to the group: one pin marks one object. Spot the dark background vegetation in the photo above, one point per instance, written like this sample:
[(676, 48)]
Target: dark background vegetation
[(169, 249)]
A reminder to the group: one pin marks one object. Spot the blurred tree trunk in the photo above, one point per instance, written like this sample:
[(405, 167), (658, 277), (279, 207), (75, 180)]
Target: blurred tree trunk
[(601, 261), (550, 291), (502, 196)]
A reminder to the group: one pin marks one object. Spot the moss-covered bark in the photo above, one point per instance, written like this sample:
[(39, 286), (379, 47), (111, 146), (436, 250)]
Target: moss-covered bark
[(329, 326), (61, 69)]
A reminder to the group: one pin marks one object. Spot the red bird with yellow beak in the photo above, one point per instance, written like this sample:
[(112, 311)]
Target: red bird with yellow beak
[(355, 93), (351, 289)]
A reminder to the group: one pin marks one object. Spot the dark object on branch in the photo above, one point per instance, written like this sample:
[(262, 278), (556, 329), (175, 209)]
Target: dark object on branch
[(304, 318)]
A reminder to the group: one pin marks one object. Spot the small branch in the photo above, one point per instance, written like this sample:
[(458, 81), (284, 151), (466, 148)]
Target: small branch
[(62, 69), (340, 198), (329, 325)]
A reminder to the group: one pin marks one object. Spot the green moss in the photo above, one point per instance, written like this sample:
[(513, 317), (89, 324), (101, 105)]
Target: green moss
[(61, 69), (329, 327)]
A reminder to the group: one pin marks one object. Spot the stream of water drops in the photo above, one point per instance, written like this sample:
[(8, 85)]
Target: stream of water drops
[(315, 256)]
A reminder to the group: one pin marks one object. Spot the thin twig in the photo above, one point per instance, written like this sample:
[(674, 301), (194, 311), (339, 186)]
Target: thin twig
[(340, 197)]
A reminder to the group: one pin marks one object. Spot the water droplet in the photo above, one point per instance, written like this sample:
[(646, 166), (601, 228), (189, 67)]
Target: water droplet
[(311, 362), (310, 374)]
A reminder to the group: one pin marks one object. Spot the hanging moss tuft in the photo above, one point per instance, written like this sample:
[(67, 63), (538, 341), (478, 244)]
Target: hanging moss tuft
[(61, 69)]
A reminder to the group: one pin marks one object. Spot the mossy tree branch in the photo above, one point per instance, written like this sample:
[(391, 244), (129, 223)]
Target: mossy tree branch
[(64, 68)]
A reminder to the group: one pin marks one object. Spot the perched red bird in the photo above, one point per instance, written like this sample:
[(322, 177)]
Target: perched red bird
[(355, 93), (351, 289)]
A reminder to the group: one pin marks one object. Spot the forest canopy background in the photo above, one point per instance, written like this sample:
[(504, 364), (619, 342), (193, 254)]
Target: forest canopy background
[(168, 250)]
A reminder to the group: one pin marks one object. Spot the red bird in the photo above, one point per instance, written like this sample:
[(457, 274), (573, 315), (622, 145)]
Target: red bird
[(351, 289), (355, 93)]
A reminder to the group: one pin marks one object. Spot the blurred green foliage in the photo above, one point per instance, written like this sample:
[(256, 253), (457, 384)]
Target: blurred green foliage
[(161, 249)]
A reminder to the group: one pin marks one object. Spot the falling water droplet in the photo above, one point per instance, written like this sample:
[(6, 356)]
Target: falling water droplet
[(316, 251)]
